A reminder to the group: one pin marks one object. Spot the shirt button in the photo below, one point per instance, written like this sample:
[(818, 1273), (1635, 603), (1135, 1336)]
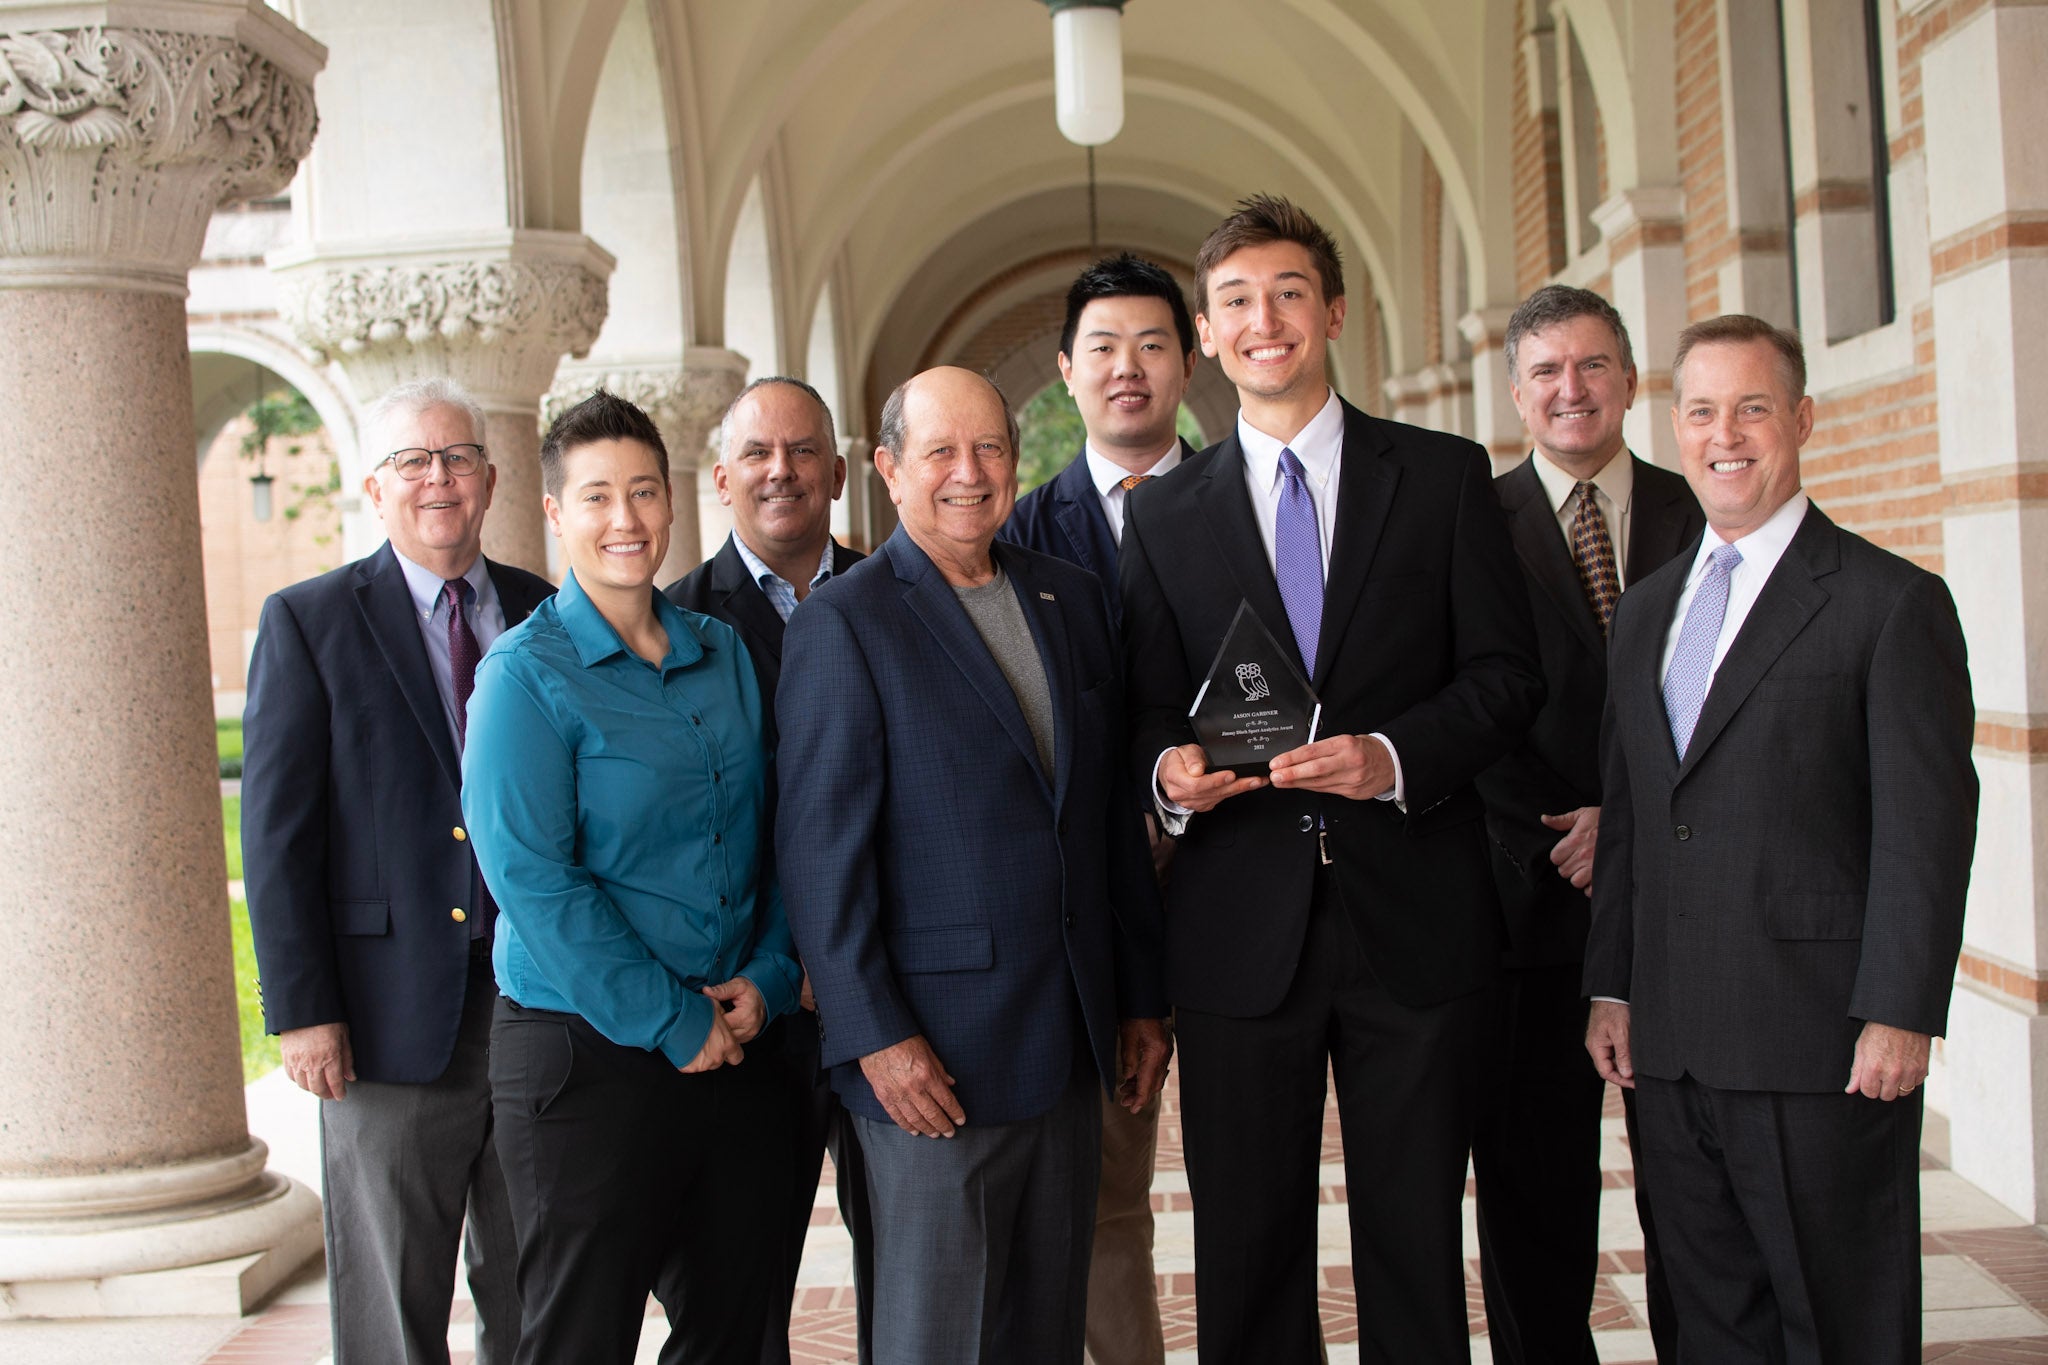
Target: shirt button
[(1070, 921), (457, 915), (721, 900), (717, 777), (696, 720), (717, 838), (460, 834), (1683, 832)]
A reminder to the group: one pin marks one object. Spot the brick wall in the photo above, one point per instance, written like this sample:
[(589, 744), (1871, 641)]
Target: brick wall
[(1538, 177), (1432, 264), (1702, 157), (1874, 460)]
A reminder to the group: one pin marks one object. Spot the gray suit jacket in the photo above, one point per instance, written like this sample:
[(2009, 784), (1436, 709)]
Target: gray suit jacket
[(1803, 869)]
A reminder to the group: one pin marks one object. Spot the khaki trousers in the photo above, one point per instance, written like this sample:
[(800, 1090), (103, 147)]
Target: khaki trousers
[(1123, 1294)]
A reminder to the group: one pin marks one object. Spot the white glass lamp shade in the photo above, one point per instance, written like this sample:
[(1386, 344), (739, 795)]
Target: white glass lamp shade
[(1088, 72)]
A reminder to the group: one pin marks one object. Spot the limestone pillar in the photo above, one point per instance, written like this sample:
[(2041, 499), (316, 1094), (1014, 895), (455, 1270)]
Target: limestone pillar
[(686, 401), (128, 1180), (1644, 229), (1408, 397), (1496, 424), (1987, 201), (494, 309)]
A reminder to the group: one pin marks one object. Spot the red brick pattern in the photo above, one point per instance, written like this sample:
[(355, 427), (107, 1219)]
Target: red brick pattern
[(1701, 157), (1538, 177)]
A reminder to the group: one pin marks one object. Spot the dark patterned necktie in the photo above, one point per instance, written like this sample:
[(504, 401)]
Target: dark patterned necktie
[(1130, 481), (462, 653), (1593, 555)]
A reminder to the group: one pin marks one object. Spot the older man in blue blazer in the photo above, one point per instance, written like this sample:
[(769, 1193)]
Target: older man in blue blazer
[(966, 875), (372, 925)]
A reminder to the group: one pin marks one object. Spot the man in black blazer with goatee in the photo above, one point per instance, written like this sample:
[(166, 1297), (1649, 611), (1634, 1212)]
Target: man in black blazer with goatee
[(1588, 519), (779, 469), (1342, 913), (1787, 821)]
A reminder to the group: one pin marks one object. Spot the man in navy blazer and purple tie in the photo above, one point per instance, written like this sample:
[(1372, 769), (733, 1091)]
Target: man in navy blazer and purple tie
[(1788, 814), (1341, 914), (965, 872), (372, 925)]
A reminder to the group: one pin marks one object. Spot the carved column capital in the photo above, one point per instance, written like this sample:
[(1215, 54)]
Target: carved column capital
[(117, 144), (496, 311), (685, 400)]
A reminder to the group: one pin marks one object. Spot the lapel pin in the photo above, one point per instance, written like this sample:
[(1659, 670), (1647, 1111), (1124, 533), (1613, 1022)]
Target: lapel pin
[(1048, 597)]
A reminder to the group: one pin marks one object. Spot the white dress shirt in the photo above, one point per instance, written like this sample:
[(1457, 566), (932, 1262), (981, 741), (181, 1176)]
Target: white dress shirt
[(1614, 491), (1761, 550), (1109, 482)]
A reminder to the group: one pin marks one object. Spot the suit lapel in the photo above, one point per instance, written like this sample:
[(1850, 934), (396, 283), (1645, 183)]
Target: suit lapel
[(1365, 494), (1078, 510), (1532, 523), (740, 595), (386, 604), (514, 597), (1227, 510), (1643, 665), (931, 597), (1789, 600), (1658, 526), (1049, 632)]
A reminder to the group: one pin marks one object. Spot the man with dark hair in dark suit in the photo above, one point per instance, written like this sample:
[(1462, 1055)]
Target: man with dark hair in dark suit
[(372, 925), (780, 471), (965, 872), (1787, 820), (1588, 518), (1340, 914), (1127, 352)]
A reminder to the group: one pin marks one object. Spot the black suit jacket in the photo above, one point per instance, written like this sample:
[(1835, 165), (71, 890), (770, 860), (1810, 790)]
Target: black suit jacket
[(1063, 517), (1803, 869), (1425, 638), (353, 850), (1558, 768), (722, 587)]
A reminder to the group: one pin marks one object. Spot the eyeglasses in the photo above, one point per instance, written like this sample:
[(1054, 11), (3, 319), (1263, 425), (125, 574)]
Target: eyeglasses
[(413, 463)]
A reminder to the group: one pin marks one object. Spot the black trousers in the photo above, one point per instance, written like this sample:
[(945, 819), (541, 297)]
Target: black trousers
[(1536, 1159), (818, 1123), (1252, 1117), (1662, 1308), (628, 1177), (1790, 1222)]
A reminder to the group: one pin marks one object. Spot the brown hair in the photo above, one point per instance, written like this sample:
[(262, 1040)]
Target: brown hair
[(1269, 218), (1736, 328), (601, 417)]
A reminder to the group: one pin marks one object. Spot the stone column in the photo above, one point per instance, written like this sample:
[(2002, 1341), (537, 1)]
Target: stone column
[(1496, 425), (128, 1180), (1987, 218), (1408, 397), (686, 402), (495, 310), (1644, 229)]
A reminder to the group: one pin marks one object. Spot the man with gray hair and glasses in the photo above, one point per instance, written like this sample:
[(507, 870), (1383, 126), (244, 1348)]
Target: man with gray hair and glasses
[(372, 924)]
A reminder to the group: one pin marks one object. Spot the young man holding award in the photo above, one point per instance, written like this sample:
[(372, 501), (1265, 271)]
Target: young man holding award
[(1337, 912)]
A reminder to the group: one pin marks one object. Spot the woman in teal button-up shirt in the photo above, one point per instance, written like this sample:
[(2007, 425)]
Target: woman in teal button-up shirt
[(615, 785)]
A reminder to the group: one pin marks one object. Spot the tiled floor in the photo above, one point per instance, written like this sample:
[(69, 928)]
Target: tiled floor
[(1985, 1296)]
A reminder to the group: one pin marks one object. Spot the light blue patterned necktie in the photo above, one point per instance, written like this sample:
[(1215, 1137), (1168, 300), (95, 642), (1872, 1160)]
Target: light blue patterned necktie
[(1298, 559), (1692, 663)]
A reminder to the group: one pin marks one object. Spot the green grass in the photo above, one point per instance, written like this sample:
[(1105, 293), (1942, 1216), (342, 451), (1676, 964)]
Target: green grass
[(259, 1049), (227, 734), (231, 818)]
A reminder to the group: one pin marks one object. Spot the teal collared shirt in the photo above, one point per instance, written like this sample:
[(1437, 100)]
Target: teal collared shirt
[(618, 811)]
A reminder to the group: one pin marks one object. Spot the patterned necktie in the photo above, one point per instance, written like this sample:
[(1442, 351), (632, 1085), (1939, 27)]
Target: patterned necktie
[(1593, 553), (1130, 481), (1298, 559), (1692, 663), (462, 653)]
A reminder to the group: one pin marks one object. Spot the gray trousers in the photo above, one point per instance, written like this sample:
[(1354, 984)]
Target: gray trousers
[(981, 1239), (401, 1166)]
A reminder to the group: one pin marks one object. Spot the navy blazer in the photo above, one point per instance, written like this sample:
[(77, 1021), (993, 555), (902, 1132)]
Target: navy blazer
[(1063, 517), (723, 587), (936, 882), (1558, 768), (353, 847)]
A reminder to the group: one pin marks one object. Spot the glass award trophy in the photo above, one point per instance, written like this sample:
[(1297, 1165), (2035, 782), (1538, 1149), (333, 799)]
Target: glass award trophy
[(1254, 704)]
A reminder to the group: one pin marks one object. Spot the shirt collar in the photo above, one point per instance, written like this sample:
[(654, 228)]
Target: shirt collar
[(1765, 545), (595, 639), (1107, 474), (426, 585), (1316, 445), (1617, 479), (758, 567)]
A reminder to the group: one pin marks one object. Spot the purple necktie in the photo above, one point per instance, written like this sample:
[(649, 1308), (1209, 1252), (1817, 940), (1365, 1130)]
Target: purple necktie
[(1298, 559), (462, 653), (1692, 660), (462, 660)]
